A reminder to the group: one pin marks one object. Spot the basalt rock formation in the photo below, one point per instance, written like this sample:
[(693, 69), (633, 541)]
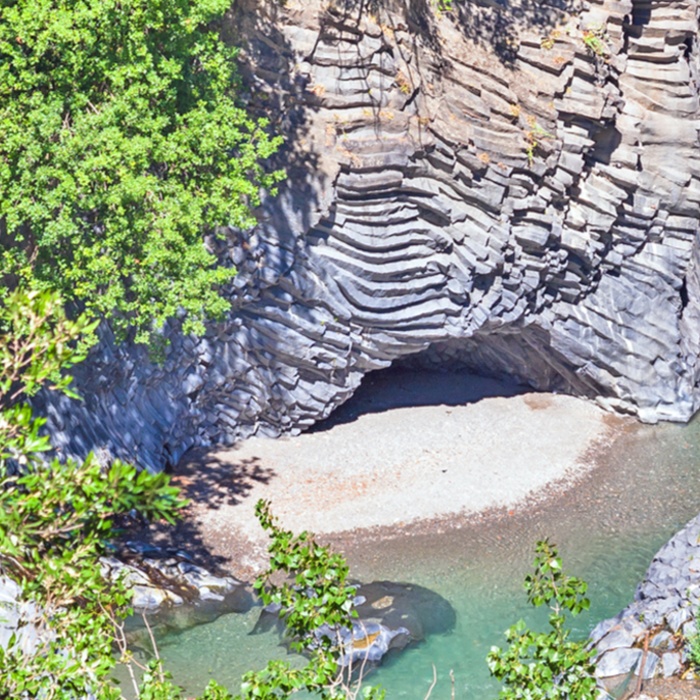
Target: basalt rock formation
[(512, 188), (648, 637)]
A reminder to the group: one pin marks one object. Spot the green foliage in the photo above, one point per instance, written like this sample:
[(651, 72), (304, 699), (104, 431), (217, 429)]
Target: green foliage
[(121, 142), (693, 648), (316, 603), (55, 521), (692, 645), (58, 518), (534, 136), (38, 342), (547, 665), (596, 41), (318, 593)]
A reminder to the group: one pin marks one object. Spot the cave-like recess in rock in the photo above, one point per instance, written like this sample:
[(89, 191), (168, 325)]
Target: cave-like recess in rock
[(505, 188)]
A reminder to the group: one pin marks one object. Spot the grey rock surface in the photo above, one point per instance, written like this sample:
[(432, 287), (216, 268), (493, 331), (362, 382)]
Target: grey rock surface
[(661, 616), (21, 619), (479, 189), (369, 642), (161, 578), (618, 662)]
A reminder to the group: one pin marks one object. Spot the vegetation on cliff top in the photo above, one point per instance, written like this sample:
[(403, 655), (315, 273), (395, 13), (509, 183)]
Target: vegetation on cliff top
[(122, 142)]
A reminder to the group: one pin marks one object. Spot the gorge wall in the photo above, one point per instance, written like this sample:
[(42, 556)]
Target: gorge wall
[(512, 188)]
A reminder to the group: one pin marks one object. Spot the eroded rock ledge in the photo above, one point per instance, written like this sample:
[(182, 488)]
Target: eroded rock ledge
[(511, 188)]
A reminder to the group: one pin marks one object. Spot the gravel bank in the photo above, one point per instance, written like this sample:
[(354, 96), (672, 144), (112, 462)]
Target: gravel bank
[(412, 448)]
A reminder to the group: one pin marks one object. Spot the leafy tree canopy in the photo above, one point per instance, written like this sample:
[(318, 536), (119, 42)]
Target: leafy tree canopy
[(121, 142)]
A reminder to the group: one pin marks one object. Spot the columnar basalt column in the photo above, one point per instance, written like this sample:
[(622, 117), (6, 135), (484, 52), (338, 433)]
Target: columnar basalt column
[(509, 188)]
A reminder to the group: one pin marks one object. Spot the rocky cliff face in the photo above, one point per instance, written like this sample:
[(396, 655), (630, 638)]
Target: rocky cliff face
[(512, 188)]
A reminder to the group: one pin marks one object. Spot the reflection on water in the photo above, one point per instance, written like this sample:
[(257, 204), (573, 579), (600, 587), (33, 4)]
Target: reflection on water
[(607, 528)]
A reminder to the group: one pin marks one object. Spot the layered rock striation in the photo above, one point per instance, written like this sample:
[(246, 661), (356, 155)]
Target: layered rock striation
[(510, 188)]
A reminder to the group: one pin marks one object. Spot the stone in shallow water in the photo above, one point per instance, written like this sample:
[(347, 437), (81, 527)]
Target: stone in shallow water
[(391, 616), (369, 641), (417, 608), (148, 598)]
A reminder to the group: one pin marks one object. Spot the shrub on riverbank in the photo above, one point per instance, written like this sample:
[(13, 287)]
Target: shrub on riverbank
[(539, 665), (57, 519)]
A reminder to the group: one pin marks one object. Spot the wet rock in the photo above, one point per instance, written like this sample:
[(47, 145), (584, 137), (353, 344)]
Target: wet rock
[(390, 617), (369, 641), (422, 611), (166, 578), (151, 598)]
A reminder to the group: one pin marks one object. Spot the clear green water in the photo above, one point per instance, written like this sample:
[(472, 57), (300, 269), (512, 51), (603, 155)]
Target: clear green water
[(608, 528)]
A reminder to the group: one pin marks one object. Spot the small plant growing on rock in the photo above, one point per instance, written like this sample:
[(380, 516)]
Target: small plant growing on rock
[(403, 83), (444, 5), (595, 39), (692, 646), (316, 603), (539, 665), (547, 43), (533, 137)]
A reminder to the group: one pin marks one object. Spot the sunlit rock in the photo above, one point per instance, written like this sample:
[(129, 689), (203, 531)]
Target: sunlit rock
[(510, 189)]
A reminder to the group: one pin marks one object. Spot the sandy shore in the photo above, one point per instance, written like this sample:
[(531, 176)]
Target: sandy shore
[(410, 448)]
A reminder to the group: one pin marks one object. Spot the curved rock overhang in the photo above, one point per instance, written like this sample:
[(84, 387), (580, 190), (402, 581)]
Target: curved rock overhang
[(514, 188)]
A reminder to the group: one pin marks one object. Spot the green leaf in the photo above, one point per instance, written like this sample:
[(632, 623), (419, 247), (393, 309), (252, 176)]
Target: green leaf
[(116, 157)]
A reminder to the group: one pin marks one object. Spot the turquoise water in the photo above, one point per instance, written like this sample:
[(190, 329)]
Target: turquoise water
[(608, 528)]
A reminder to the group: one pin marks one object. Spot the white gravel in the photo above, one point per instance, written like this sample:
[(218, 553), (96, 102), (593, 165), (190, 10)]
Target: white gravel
[(399, 464)]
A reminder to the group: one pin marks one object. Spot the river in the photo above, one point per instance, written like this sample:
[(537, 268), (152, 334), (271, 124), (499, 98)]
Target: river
[(607, 527)]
